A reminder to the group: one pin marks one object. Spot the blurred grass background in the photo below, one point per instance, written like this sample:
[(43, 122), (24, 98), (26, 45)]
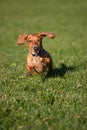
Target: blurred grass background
[(59, 102)]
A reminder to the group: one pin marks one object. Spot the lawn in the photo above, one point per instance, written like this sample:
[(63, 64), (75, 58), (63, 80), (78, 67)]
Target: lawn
[(58, 102)]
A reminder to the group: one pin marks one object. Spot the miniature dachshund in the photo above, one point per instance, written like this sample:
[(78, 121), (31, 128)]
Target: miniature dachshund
[(38, 59)]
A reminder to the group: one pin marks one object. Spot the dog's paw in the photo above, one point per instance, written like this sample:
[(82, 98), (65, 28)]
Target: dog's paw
[(28, 74), (44, 62)]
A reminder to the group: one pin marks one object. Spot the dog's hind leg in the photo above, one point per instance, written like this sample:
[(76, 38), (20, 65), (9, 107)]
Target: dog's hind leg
[(50, 68)]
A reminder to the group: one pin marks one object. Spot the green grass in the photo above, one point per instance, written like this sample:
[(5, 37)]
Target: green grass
[(38, 103)]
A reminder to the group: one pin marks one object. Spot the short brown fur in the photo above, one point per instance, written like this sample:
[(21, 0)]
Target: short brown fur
[(38, 59)]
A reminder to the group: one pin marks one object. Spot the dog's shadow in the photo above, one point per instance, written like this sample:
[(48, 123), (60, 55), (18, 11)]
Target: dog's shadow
[(61, 71)]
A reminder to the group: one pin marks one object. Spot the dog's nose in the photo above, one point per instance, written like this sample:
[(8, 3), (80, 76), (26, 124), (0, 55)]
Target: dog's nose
[(36, 48)]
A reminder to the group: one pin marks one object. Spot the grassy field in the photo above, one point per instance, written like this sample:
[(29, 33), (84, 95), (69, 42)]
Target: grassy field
[(39, 103)]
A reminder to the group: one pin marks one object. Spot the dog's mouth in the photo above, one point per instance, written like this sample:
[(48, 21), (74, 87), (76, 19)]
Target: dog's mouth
[(36, 50), (35, 53)]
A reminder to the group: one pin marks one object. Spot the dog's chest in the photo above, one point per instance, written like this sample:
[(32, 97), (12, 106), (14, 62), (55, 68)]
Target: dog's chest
[(39, 65), (37, 61)]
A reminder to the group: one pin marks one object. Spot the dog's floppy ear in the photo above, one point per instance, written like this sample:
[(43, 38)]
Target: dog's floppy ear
[(22, 38), (48, 34)]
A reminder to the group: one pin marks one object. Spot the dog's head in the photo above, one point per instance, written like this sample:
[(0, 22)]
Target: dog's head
[(34, 41)]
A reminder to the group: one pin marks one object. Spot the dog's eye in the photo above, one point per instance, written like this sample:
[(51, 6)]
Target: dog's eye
[(30, 41)]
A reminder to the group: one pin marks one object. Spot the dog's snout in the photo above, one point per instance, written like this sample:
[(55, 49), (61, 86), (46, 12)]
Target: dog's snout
[(36, 48)]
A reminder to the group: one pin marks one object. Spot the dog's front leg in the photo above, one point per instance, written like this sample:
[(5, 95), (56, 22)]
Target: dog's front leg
[(30, 69)]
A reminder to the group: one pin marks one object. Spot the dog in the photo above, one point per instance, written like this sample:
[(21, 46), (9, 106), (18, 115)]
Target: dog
[(38, 59)]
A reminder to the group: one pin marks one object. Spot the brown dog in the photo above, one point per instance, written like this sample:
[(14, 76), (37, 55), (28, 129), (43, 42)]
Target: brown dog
[(38, 59)]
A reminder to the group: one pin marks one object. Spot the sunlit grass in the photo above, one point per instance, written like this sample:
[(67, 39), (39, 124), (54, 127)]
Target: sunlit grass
[(60, 101)]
